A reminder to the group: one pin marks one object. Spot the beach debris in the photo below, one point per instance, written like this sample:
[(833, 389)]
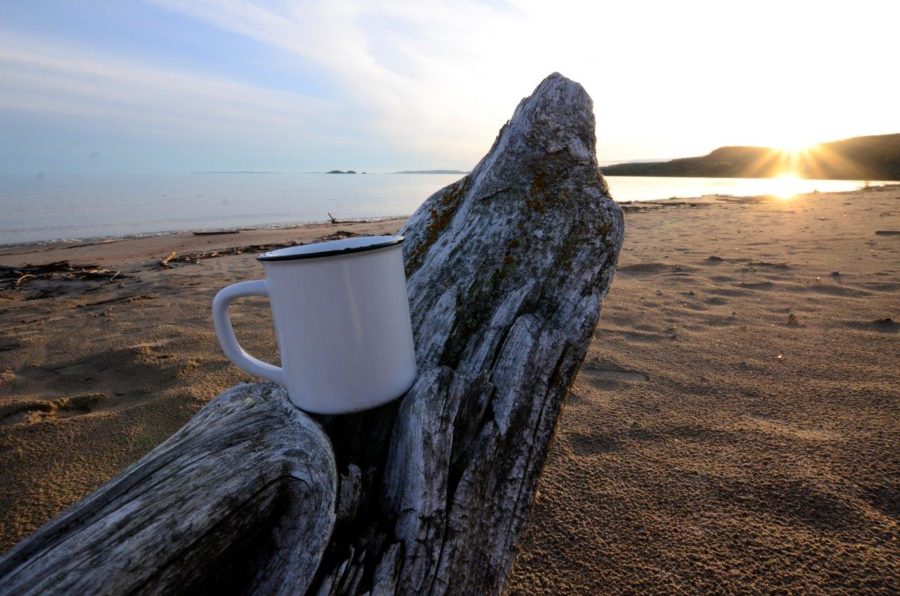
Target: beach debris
[(164, 262), (215, 232), (887, 232), (14, 278), (339, 235), (129, 298), (502, 327), (97, 243), (835, 274), (793, 321), (196, 257)]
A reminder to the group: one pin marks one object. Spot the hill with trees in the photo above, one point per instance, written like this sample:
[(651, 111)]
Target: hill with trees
[(860, 158)]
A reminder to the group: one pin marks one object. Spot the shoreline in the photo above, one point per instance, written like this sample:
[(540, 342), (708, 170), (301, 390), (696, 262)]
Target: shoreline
[(734, 422), (5, 248), (127, 250), (80, 242)]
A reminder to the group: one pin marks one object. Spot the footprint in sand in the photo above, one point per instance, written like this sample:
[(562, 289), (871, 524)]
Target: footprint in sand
[(607, 374), (767, 265), (757, 285), (881, 286), (639, 269), (7, 345), (829, 290), (720, 320), (590, 444), (808, 501), (646, 269), (34, 410), (886, 325), (730, 292)]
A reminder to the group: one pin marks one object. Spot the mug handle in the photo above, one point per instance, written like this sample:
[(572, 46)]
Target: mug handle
[(225, 332)]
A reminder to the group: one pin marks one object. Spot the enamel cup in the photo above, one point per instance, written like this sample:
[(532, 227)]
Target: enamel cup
[(341, 316)]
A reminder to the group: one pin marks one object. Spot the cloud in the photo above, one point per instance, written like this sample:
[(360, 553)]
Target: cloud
[(70, 81), (407, 74), (428, 83), (415, 71)]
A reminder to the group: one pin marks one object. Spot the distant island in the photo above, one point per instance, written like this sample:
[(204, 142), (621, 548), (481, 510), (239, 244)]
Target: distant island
[(430, 172), (234, 172), (874, 157), (341, 172)]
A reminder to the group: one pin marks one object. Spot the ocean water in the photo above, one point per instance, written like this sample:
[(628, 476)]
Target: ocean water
[(46, 207)]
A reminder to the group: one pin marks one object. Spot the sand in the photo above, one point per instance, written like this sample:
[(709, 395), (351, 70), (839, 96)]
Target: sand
[(734, 427)]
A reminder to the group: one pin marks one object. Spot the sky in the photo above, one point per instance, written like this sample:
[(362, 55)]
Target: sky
[(188, 85)]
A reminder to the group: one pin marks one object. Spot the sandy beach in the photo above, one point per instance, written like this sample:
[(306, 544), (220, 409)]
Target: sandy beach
[(734, 427)]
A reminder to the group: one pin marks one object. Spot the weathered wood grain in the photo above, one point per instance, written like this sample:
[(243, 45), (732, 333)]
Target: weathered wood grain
[(507, 269), (243, 495)]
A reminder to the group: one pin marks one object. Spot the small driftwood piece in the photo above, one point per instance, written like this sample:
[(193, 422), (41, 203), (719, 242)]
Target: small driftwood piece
[(242, 495), (164, 262), (17, 277), (196, 257), (215, 232), (506, 272)]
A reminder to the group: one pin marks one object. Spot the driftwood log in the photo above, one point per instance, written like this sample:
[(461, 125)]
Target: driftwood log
[(506, 272), (220, 503)]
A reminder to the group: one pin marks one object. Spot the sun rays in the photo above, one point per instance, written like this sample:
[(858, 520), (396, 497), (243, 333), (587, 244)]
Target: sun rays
[(797, 160), (787, 165)]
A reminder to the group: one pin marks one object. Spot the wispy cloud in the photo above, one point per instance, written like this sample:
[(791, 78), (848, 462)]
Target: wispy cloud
[(428, 83), (52, 78), (415, 70)]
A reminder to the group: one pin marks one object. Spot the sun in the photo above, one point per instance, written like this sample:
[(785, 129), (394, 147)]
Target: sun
[(786, 186), (793, 160), (794, 147), (790, 139)]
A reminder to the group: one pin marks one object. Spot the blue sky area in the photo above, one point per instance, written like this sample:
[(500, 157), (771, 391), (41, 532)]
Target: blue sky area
[(177, 85)]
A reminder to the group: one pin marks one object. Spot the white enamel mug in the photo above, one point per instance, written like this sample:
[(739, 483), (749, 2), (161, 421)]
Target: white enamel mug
[(341, 316)]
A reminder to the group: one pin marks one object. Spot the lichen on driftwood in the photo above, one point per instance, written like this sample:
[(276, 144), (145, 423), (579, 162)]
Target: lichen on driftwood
[(506, 270)]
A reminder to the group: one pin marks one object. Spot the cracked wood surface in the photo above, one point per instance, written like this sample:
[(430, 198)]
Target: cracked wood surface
[(507, 269), (243, 495)]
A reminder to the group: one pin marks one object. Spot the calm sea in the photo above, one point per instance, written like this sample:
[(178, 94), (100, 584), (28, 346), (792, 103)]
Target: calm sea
[(52, 207)]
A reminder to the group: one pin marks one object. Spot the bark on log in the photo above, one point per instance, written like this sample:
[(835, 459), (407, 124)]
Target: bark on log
[(506, 270)]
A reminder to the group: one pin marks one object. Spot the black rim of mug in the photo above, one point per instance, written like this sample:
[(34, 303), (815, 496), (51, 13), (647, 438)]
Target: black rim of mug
[(270, 256)]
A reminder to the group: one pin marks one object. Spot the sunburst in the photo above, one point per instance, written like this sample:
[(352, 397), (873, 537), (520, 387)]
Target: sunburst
[(786, 186)]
